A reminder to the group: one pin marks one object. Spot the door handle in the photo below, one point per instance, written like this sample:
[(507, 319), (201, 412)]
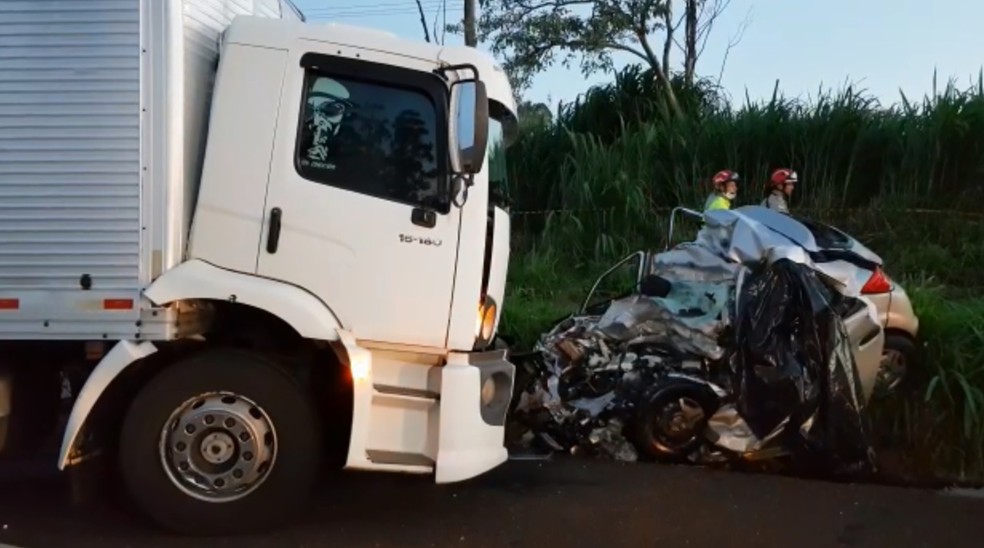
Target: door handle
[(423, 217), (273, 235)]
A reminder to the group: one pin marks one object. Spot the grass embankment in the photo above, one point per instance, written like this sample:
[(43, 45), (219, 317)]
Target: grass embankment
[(864, 169)]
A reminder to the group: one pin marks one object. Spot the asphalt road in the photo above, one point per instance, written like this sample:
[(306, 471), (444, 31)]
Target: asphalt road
[(559, 503)]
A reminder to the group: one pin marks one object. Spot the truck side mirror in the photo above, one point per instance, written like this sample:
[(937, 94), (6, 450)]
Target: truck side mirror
[(469, 127)]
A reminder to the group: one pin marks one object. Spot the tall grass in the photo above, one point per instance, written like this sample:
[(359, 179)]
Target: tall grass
[(937, 432), (619, 152), (601, 178)]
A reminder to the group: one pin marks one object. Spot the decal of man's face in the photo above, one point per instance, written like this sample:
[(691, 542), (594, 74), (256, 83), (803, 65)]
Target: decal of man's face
[(329, 101)]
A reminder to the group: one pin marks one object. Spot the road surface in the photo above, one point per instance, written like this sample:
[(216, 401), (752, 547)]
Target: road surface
[(541, 504)]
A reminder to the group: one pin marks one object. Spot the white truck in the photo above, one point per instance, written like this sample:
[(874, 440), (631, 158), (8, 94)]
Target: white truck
[(233, 241)]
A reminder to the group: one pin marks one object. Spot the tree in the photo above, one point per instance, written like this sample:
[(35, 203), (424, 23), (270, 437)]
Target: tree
[(530, 35), (535, 113), (699, 18)]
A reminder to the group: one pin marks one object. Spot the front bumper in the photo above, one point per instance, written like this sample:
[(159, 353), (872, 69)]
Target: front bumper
[(472, 426), (413, 417)]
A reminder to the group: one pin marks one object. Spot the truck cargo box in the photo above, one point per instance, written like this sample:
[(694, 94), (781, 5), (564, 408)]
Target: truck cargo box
[(103, 116)]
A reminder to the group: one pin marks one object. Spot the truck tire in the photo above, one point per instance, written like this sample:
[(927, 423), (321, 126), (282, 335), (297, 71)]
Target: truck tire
[(224, 442)]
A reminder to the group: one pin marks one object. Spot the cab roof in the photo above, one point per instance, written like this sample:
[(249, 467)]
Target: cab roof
[(282, 34)]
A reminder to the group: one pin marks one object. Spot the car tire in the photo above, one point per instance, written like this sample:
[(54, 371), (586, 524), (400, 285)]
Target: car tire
[(659, 406), (250, 395), (900, 381)]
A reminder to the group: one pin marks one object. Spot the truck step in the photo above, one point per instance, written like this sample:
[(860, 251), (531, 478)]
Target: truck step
[(395, 458), (405, 394)]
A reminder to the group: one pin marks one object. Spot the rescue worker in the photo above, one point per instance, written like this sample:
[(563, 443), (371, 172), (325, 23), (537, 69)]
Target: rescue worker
[(725, 185), (780, 189)]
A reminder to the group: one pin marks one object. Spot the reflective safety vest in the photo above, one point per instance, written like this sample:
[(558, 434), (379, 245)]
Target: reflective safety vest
[(716, 201)]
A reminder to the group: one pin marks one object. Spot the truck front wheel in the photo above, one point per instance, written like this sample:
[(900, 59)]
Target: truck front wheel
[(221, 443)]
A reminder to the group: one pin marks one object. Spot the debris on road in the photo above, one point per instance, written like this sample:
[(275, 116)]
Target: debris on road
[(732, 348)]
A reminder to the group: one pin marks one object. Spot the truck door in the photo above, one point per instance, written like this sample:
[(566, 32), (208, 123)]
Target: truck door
[(358, 185)]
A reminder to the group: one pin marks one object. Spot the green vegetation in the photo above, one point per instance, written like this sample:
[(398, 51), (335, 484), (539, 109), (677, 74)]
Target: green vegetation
[(611, 165)]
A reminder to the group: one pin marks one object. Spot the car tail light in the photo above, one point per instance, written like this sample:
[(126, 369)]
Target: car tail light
[(877, 283)]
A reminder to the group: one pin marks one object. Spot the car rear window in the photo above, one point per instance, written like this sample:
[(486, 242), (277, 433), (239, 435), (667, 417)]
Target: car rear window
[(827, 237)]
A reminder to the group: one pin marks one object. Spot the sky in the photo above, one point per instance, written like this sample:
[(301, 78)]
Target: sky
[(883, 46)]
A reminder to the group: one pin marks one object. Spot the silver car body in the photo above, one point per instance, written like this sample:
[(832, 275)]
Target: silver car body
[(895, 310)]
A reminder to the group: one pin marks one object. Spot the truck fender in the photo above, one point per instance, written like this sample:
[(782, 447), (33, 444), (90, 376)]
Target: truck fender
[(196, 279), (112, 364)]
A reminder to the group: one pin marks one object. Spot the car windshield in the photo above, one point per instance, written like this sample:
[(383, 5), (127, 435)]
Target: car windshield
[(496, 157)]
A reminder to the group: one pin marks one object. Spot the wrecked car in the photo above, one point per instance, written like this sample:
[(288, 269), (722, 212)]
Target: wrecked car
[(743, 344)]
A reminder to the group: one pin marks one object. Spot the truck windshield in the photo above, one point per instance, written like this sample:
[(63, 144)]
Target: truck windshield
[(498, 172)]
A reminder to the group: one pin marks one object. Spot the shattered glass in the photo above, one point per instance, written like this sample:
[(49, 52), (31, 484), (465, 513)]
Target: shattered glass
[(689, 319)]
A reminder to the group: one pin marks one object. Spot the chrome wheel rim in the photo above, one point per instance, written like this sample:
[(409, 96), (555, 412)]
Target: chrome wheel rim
[(218, 447), (892, 370), (676, 421)]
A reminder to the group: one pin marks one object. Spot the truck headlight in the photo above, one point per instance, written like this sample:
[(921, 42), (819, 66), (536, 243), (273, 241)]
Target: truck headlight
[(485, 326), (360, 368), (488, 391)]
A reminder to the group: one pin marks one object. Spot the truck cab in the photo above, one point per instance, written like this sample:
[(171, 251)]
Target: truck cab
[(325, 278), (355, 167), (355, 198)]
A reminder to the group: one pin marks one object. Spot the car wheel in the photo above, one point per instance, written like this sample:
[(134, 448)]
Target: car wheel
[(221, 443), (672, 419), (896, 368)]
